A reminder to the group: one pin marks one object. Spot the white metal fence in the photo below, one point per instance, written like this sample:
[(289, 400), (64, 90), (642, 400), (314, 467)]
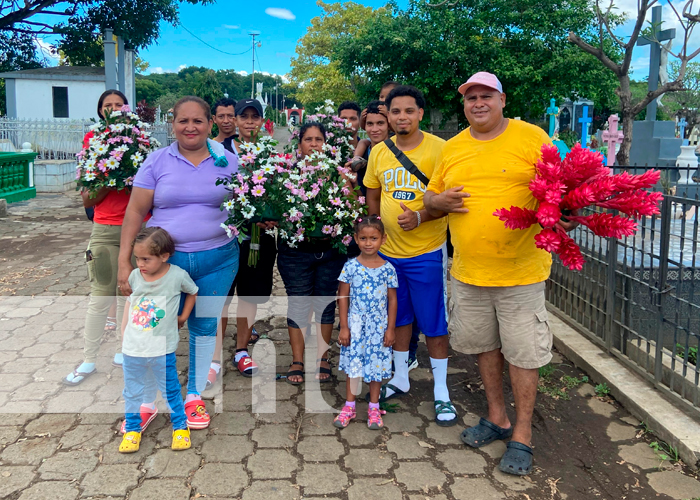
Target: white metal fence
[(57, 139)]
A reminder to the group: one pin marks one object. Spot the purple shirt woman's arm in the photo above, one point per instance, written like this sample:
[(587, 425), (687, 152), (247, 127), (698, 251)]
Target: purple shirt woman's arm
[(140, 203)]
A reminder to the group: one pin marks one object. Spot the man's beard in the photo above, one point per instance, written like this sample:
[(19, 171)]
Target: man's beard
[(403, 132)]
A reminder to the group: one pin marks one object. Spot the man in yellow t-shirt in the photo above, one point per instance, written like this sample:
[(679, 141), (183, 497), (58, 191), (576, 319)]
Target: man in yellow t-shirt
[(415, 243), (497, 274)]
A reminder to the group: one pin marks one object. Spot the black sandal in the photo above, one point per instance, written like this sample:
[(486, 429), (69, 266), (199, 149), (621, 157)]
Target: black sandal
[(295, 373), (325, 371)]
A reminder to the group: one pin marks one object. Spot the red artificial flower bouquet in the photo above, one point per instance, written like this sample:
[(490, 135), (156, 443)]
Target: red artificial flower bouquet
[(580, 180)]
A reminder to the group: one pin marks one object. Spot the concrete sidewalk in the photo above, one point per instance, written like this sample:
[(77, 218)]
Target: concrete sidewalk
[(61, 442)]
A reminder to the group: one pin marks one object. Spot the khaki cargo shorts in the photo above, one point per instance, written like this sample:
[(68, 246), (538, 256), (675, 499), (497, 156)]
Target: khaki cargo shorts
[(513, 319)]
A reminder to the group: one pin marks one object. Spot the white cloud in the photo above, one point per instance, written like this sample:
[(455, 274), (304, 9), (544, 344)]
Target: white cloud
[(242, 73), (45, 49), (285, 14), (231, 26), (159, 70), (181, 67)]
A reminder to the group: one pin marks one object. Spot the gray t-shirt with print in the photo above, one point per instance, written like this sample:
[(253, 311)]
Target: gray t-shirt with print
[(151, 326)]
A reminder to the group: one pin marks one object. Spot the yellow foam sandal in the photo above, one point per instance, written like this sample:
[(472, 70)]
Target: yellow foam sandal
[(130, 442), (181, 440)]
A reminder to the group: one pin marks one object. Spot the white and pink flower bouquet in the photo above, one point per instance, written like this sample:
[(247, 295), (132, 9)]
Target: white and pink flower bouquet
[(119, 146), (338, 133), (319, 203), (308, 199), (256, 191), (563, 188)]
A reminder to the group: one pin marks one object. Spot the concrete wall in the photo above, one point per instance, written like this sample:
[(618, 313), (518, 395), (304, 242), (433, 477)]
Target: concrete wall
[(54, 176), (34, 98)]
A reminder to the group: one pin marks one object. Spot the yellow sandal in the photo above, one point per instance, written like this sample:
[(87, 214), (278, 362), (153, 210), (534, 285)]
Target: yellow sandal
[(130, 442), (181, 440)]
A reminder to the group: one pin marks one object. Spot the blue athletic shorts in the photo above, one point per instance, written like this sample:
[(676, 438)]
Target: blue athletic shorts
[(422, 292)]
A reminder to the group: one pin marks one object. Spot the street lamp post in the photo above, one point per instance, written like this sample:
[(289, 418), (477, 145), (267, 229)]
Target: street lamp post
[(253, 34), (277, 108)]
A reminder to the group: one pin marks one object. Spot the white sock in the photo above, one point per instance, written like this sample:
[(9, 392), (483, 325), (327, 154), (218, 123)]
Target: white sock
[(440, 391), (239, 355), (192, 397), (83, 368), (216, 367), (400, 379), (150, 406), (86, 367)]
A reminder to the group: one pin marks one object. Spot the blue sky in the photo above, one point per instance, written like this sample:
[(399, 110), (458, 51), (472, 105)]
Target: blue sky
[(226, 25), (227, 28)]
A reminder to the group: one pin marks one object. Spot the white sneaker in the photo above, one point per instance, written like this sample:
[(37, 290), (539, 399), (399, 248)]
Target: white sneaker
[(412, 364)]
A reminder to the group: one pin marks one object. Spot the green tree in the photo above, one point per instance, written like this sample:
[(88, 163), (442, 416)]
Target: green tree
[(208, 87), (685, 103), (166, 88), (166, 101), (438, 48), (148, 90), (314, 69), (80, 23)]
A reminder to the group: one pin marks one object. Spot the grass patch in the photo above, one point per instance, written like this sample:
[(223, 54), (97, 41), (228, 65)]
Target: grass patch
[(559, 389), (665, 451), (572, 382), (547, 370), (389, 407), (692, 353), (602, 390)]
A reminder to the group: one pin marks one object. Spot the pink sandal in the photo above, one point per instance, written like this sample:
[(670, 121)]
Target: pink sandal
[(345, 416), (374, 418)]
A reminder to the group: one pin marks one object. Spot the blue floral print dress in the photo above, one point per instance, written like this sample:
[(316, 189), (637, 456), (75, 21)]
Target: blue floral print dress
[(368, 317)]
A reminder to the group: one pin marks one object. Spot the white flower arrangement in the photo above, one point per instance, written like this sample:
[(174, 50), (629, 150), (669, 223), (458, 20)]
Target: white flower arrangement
[(114, 154)]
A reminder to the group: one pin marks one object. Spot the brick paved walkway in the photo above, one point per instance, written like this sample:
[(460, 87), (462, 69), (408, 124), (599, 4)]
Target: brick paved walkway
[(61, 443)]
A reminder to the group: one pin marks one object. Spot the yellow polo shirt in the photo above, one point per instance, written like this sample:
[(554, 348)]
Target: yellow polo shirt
[(398, 186), (496, 173)]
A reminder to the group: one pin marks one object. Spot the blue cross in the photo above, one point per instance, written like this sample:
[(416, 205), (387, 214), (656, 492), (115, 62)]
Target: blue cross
[(681, 125), (552, 111), (584, 121)]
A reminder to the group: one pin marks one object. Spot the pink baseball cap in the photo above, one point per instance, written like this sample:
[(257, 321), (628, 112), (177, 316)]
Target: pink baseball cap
[(482, 78)]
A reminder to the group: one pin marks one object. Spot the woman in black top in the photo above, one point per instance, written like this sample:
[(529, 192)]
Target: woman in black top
[(310, 274)]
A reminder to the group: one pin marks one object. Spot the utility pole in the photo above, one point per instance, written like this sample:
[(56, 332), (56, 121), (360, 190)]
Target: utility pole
[(253, 34)]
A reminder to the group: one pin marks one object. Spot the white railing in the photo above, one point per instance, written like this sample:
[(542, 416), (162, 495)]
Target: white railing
[(56, 139)]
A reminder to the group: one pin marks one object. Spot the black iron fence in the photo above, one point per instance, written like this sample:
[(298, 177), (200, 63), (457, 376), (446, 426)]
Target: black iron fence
[(639, 297)]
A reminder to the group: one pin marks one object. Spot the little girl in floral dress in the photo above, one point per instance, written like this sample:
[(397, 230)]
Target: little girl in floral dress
[(367, 305)]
